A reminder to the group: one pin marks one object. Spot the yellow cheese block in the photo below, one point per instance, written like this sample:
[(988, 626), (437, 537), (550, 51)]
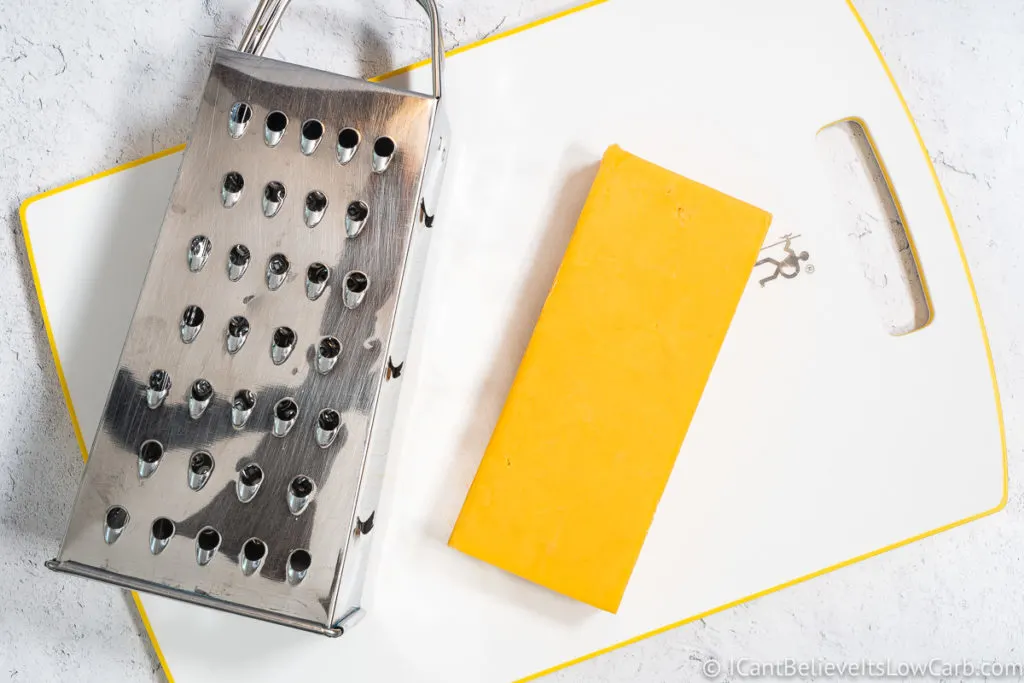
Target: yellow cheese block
[(617, 363)]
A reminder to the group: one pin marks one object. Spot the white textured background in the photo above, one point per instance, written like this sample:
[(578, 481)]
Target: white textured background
[(85, 85)]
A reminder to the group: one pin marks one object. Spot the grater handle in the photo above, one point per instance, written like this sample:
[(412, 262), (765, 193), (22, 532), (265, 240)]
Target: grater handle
[(268, 15), (262, 26), (436, 45)]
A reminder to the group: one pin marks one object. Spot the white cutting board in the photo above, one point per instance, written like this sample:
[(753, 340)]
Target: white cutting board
[(820, 438)]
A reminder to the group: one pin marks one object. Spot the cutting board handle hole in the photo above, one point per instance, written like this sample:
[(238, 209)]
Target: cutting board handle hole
[(867, 210)]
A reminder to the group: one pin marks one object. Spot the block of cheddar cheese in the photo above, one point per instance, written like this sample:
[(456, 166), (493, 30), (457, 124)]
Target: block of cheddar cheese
[(611, 378)]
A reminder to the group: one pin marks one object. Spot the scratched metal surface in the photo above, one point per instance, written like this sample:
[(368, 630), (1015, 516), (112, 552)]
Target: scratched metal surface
[(351, 388)]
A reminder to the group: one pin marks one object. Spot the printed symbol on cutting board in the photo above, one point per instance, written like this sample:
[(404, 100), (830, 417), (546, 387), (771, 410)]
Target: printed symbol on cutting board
[(789, 266)]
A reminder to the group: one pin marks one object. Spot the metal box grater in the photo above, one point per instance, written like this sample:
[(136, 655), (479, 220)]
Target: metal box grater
[(241, 450)]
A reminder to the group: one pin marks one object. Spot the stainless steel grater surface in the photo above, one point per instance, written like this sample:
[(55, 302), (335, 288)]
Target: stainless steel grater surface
[(241, 450)]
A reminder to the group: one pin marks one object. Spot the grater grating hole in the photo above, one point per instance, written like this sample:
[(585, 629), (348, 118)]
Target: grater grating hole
[(274, 191), (207, 542), (348, 143), (355, 218), (160, 533), (199, 398), (356, 282), (239, 255), (348, 138), (202, 390), (201, 462), (273, 197), (277, 121), (238, 262), (241, 112), (328, 423), (241, 407), (383, 151), (285, 413), (191, 323), (200, 466), (278, 264), (316, 201), (238, 332), (249, 481), (286, 409), (198, 252), (384, 146), (234, 182), (163, 528), (238, 119), (151, 451), (114, 522), (327, 352), (208, 539), (157, 388), (277, 271), (302, 486), (357, 211), (193, 316), (282, 345), (312, 131), (238, 326), (159, 380), (330, 347), (299, 562), (328, 419), (244, 400), (117, 518), (231, 189), (316, 280), (274, 127), (317, 273), (316, 205), (300, 494), (284, 336), (251, 475), (254, 549), (253, 552)]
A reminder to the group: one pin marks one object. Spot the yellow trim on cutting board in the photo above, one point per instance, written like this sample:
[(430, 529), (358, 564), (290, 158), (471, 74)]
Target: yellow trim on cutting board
[(152, 637), (490, 39), (702, 615)]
